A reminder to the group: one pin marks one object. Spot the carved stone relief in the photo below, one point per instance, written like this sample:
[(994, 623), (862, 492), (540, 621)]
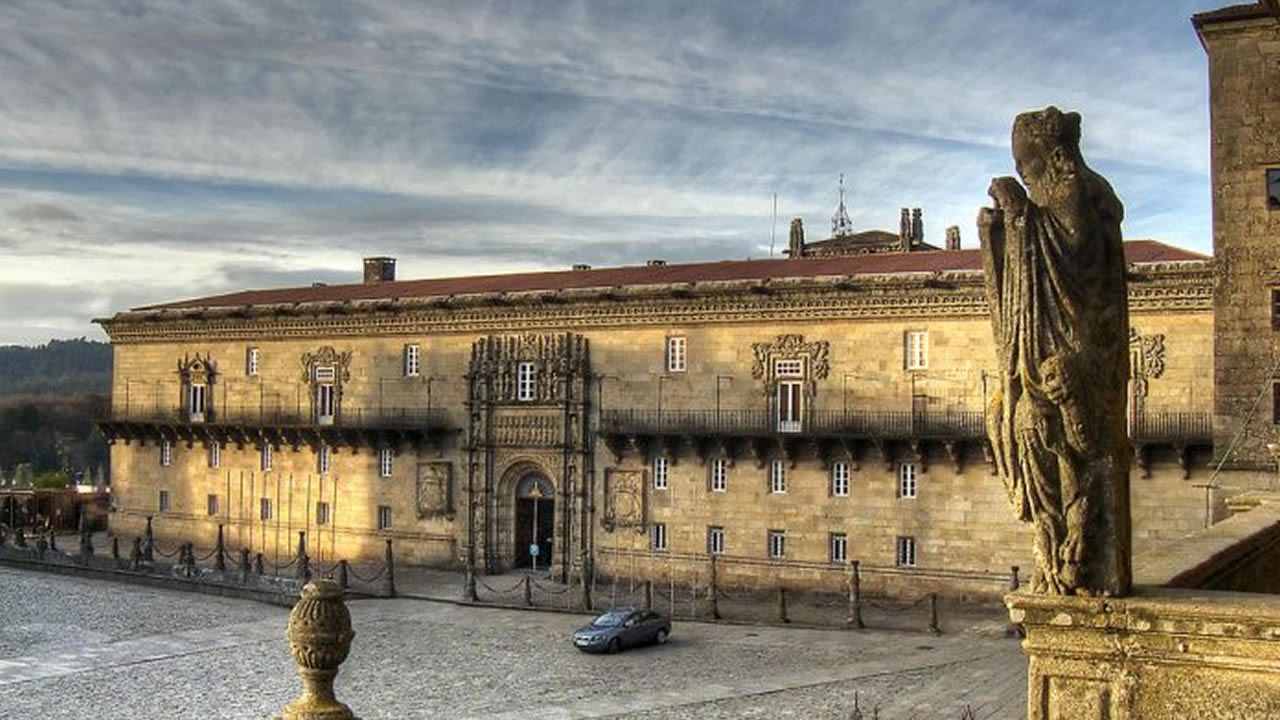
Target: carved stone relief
[(625, 501), (198, 369), (528, 430), (553, 357), (814, 355), (435, 490), (1146, 360)]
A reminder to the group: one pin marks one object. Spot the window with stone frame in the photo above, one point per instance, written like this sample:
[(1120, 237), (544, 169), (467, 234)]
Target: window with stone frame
[(916, 349), (658, 537), (324, 459), (252, 359), (385, 460), (211, 505), (661, 468), (1275, 402), (166, 453), (526, 373), (322, 513), (266, 458), (778, 477), (384, 517), (719, 479), (412, 361), (264, 509), (163, 502), (1275, 309), (839, 548), (677, 355), (907, 481), (906, 551), (777, 544), (215, 455), (840, 479), (715, 540), (1273, 188)]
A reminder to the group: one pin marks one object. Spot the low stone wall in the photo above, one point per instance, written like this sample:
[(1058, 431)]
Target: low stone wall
[(1241, 553), (1160, 654)]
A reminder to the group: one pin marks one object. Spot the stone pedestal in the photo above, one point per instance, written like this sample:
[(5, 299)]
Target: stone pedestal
[(1160, 654)]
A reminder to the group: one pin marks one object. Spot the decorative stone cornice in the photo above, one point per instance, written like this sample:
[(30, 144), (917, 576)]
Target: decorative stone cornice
[(1185, 287)]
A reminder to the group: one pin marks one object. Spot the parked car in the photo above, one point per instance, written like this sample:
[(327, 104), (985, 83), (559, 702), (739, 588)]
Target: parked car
[(622, 628)]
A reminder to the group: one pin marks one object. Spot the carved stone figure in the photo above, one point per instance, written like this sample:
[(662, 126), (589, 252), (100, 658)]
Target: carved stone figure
[(1055, 281)]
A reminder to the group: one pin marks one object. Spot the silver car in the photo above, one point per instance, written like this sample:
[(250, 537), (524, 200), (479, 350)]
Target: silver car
[(622, 628)]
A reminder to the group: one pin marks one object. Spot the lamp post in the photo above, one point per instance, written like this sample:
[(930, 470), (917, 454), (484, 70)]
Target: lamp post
[(535, 494)]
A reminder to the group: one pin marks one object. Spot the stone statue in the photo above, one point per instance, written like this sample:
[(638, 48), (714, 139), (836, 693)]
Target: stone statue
[(1055, 282)]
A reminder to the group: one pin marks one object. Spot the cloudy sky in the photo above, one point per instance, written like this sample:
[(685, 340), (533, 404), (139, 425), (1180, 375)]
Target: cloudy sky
[(153, 150)]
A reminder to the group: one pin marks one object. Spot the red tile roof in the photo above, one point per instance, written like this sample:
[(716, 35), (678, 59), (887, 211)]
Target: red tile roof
[(1137, 251)]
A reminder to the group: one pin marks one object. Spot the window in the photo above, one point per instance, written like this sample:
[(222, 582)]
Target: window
[(264, 509), (1275, 402), (778, 477), (660, 472), (907, 480), (325, 403), (719, 475), (322, 513), (251, 359), (1273, 189), (384, 517), (525, 375), (790, 394), (715, 540), (324, 459), (840, 479), (1275, 309), (676, 353), (411, 364), (211, 504), (777, 544), (166, 453), (658, 537), (917, 349), (215, 455), (196, 401), (163, 502), (906, 551), (385, 456), (266, 458), (839, 545)]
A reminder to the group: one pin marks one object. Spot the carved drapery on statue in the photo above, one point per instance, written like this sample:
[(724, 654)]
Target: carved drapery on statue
[(1055, 281)]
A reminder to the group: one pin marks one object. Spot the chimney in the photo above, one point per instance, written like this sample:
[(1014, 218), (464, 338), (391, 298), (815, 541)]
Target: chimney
[(379, 270), (656, 263), (917, 227), (795, 246), (579, 267), (904, 229), (953, 237)]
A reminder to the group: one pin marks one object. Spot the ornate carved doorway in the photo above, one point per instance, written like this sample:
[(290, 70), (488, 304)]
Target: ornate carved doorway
[(535, 520)]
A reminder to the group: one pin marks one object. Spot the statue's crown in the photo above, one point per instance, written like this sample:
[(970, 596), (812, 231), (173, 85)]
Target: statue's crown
[(1049, 123)]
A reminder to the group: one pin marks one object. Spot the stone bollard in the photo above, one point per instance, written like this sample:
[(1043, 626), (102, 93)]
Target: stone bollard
[(320, 637), (303, 571), (53, 540), (855, 597), (648, 594), (244, 566), (220, 552), (258, 568), (19, 538), (135, 555), (782, 605), (528, 591), (469, 585), (42, 546), (933, 614), (588, 580), (713, 590), (344, 580), (389, 579), (86, 547), (115, 548), (149, 543)]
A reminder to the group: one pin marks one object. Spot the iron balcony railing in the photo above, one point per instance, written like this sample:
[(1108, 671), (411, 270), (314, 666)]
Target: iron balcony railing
[(345, 417), (943, 424)]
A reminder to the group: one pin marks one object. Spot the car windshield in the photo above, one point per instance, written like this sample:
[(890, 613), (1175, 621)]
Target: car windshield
[(609, 619)]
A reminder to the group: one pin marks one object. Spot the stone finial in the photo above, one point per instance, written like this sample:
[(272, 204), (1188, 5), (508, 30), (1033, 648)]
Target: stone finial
[(953, 238), (795, 247), (320, 637), (917, 226), (1056, 420), (904, 228)]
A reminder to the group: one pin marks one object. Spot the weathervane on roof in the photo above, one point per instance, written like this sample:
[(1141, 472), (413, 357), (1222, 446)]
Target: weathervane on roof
[(841, 225)]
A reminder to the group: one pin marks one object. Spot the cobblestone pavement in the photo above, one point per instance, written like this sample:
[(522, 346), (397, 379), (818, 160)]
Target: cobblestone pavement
[(76, 648)]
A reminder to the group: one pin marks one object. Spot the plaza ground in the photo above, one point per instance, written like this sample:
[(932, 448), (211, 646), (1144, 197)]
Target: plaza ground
[(74, 648)]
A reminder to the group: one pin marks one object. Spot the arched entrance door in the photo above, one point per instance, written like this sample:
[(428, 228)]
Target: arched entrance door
[(535, 520)]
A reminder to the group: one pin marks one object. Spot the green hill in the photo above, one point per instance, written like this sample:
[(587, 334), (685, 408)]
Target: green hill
[(60, 367)]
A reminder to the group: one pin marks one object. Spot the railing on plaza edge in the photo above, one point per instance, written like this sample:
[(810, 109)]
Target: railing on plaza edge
[(220, 565), (959, 424), (345, 417), (705, 597)]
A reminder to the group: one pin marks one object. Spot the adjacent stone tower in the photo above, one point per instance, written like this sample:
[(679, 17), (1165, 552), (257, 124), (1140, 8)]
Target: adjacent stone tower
[(1243, 44)]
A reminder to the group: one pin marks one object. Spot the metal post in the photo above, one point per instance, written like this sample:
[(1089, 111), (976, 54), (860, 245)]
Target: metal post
[(782, 605), (933, 614), (588, 580), (855, 597), (115, 548), (648, 594), (344, 578), (713, 590), (244, 565), (528, 590), (389, 580), (53, 538), (19, 538), (219, 555), (258, 568), (1014, 583), (148, 545)]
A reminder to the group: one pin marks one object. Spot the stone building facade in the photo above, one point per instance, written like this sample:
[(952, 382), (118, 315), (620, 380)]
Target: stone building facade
[(787, 415), (1243, 47)]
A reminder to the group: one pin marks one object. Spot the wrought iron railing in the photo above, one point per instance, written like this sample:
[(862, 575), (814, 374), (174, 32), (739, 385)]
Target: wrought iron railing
[(345, 417), (943, 424)]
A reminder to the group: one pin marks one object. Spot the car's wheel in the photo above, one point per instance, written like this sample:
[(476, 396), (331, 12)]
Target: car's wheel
[(661, 637), (615, 645)]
